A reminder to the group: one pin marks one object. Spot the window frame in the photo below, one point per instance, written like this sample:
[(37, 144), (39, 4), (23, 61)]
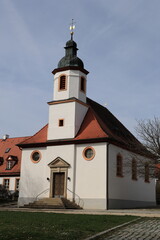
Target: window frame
[(17, 180), (146, 173), (60, 88), (7, 150), (134, 169), (84, 151), (31, 156), (8, 185), (119, 165), (10, 164), (83, 89), (61, 122)]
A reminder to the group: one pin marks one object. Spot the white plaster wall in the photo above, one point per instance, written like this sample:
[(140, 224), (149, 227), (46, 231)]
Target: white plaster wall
[(12, 182), (34, 175), (67, 153), (125, 188), (73, 114), (64, 111), (91, 176), (80, 112), (73, 86)]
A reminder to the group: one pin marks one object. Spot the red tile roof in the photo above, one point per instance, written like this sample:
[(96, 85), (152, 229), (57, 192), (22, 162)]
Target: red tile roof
[(90, 127), (40, 136), (98, 124), (10, 143)]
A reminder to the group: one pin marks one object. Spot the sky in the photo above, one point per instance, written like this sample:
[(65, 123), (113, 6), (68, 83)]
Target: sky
[(118, 41)]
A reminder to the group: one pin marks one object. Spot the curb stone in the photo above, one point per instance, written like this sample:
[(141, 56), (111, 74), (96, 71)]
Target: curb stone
[(111, 229)]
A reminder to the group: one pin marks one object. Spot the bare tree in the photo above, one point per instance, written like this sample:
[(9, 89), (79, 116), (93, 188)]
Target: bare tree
[(149, 132)]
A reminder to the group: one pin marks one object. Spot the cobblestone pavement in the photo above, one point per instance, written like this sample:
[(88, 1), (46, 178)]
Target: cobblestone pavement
[(148, 229)]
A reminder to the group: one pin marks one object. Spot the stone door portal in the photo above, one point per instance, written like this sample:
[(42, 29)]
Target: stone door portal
[(58, 178)]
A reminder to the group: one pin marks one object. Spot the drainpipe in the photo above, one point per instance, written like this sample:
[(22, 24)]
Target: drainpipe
[(107, 176), (74, 174)]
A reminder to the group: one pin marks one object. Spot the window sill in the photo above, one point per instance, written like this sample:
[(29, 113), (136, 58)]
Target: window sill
[(147, 181), (134, 179), (121, 176)]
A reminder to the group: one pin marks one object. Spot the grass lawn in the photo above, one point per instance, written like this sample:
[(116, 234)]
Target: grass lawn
[(49, 226)]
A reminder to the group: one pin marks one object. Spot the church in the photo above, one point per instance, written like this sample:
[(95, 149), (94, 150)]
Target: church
[(81, 154)]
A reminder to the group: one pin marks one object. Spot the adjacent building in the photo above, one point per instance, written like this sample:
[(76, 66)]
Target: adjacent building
[(10, 162)]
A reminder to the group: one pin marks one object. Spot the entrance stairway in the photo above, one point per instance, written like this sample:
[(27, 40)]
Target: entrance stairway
[(53, 203)]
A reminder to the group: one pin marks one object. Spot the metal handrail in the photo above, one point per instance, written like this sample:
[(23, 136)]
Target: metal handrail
[(46, 190), (79, 199)]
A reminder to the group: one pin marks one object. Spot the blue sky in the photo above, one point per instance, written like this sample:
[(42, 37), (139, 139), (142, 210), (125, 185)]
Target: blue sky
[(118, 41)]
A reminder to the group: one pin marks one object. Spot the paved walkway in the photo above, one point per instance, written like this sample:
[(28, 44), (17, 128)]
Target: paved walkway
[(155, 212), (145, 230)]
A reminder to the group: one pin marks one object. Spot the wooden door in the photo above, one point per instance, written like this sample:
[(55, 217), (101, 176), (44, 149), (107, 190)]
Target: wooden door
[(58, 184)]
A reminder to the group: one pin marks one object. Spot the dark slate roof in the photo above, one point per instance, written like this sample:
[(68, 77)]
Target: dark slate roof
[(116, 131), (70, 59)]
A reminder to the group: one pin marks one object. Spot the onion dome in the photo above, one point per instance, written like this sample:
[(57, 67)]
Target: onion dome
[(70, 58)]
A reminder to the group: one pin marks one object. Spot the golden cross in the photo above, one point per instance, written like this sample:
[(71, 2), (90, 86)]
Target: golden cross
[(72, 27)]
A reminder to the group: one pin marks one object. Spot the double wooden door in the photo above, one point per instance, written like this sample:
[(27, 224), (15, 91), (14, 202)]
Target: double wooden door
[(58, 184)]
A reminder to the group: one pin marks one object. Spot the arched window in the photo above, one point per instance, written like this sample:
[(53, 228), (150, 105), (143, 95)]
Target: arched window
[(62, 83), (83, 84), (119, 170), (146, 172), (134, 169)]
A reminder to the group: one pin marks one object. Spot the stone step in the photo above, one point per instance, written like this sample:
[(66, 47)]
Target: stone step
[(52, 203), (44, 206), (70, 205), (49, 201)]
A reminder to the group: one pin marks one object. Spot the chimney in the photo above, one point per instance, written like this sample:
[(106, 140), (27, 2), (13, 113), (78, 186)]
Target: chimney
[(5, 137)]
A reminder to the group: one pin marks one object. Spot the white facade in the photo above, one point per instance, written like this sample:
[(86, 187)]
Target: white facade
[(124, 192), (73, 78), (91, 182), (72, 113), (12, 182), (86, 181)]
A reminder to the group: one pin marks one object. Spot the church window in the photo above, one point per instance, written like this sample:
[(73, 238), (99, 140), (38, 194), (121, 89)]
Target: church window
[(62, 83), (6, 182), (134, 169), (83, 84), (146, 172), (119, 169), (35, 156), (61, 122), (88, 153)]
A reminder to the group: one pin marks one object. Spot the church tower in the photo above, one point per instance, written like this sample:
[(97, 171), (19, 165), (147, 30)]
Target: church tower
[(68, 108)]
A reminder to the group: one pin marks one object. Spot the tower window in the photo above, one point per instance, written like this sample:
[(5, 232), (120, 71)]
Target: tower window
[(61, 122), (83, 84), (62, 83)]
